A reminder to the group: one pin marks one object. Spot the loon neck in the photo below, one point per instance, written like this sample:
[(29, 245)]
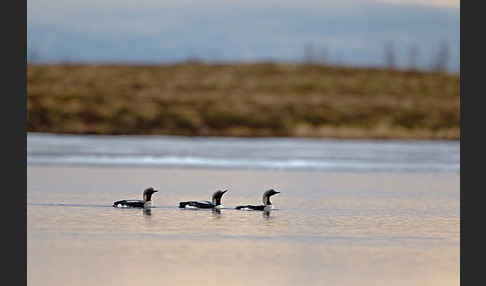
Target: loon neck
[(216, 201), (147, 197)]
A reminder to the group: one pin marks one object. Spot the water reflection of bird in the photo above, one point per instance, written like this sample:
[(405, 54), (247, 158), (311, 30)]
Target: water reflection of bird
[(147, 212), (214, 204), (216, 213), (267, 204), (145, 203), (266, 214)]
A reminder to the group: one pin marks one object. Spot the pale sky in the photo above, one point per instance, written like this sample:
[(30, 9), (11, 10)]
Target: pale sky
[(436, 3), (345, 31)]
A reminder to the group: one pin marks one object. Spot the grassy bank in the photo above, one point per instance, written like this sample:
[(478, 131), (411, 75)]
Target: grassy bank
[(263, 99)]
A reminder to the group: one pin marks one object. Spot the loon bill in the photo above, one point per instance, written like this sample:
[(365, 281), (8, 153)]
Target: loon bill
[(215, 203), (267, 204), (145, 203)]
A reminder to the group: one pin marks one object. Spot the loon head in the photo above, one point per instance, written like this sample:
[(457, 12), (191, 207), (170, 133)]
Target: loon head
[(147, 194), (217, 197), (267, 195)]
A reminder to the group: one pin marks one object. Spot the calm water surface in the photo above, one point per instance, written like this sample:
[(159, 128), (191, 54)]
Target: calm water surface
[(242, 153), (339, 227)]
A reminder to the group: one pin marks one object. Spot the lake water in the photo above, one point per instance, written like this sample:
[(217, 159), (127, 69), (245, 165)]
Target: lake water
[(360, 213), (237, 153)]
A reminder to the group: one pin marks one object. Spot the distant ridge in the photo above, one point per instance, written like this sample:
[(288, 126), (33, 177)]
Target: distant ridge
[(243, 100)]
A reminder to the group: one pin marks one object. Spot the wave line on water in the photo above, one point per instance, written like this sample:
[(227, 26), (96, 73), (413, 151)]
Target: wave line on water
[(277, 154)]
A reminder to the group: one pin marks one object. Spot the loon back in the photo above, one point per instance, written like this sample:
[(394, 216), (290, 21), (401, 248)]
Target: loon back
[(145, 203), (250, 207), (196, 204), (267, 204), (216, 202), (130, 204)]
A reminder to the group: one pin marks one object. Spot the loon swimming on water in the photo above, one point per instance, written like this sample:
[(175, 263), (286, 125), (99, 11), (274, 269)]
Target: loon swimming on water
[(267, 204), (145, 203), (215, 204)]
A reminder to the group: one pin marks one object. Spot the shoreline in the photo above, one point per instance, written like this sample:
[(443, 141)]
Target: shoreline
[(369, 136), (371, 139)]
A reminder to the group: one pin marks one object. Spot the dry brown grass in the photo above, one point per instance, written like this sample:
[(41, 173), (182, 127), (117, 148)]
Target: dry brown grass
[(261, 99)]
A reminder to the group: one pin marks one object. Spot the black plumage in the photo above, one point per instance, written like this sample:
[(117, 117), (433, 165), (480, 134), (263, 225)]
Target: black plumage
[(216, 201), (196, 204), (255, 208), (266, 202), (147, 197), (129, 203)]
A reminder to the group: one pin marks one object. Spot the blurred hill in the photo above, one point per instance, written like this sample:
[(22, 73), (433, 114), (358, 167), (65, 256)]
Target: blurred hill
[(251, 99)]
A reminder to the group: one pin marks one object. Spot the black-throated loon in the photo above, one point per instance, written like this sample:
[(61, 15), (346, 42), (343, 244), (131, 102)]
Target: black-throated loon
[(216, 202), (267, 204), (145, 203)]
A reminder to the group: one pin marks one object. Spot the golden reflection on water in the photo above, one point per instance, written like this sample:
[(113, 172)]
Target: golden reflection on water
[(199, 261), (384, 230)]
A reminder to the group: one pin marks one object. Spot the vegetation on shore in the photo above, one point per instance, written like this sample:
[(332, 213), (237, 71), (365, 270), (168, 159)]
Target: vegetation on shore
[(252, 99)]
